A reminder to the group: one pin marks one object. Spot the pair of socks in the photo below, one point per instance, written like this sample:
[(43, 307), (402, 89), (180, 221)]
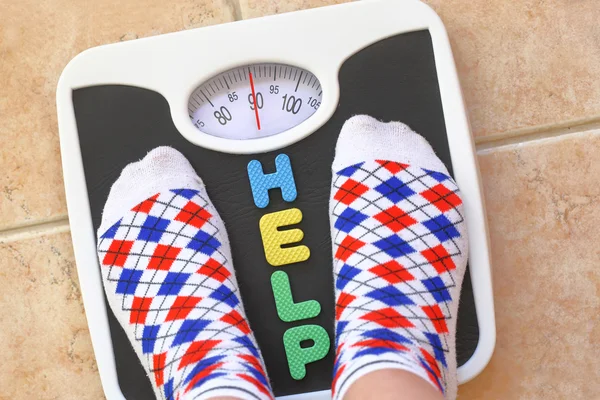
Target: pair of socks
[(399, 255)]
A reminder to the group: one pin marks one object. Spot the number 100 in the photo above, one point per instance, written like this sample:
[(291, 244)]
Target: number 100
[(291, 104)]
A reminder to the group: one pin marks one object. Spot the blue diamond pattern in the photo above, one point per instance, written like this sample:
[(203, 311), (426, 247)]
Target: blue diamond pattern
[(207, 378), (247, 343), (438, 290), (204, 243), (173, 283), (346, 274), (349, 219), (373, 351), (438, 349), (128, 281), (394, 189), (169, 389), (438, 176), (112, 231), (426, 366), (349, 171), (189, 330), (257, 374), (201, 365), (226, 295), (149, 336), (153, 229), (442, 228), (341, 325), (187, 193), (337, 362), (395, 246), (391, 296), (386, 334)]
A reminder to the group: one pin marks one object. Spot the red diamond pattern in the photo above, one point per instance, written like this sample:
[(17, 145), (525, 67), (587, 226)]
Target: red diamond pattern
[(252, 361), (439, 258), (163, 257), (255, 382), (343, 300), (201, 375), (234, 318), (181, 307), (193, 214), (171, 334), (146, 205), (388, 344), (388, 317), (215, 270), (395, 219), (442, 198), (139, 310), (393, 167), (197, 351), (336, 377), (412, 281), (437, 317), (158, 366), (350, 191), (348, 247), (117, 253), (392, 272), (431, 361)]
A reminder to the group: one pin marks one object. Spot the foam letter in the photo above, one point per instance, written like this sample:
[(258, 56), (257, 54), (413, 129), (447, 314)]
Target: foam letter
[(287, 310), (273, 238), (282, 178), (299, 356)]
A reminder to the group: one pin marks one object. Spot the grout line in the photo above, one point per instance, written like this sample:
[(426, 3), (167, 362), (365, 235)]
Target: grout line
[(39, 221), (34, 230), (236, 8), (534, 134), (538, 129)]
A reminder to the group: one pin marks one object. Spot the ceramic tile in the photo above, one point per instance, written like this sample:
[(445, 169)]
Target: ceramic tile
[(525, 63), (37, 40), (522, 64), (261, 8), (542, 204), (47, 349)]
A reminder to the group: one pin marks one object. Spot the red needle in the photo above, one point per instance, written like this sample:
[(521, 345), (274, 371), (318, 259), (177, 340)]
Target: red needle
[(254, 100)]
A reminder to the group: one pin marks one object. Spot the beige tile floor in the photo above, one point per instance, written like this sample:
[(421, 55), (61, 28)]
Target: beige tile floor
[(530, 71)]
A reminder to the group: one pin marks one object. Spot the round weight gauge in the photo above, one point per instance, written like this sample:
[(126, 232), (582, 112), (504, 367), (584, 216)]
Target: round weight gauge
[(254, 101)]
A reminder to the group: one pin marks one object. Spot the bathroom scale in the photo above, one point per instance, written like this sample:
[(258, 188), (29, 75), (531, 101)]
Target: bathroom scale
[(251, 96)]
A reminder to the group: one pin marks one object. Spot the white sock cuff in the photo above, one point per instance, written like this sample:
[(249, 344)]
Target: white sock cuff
[(161, 169), (364, 138)]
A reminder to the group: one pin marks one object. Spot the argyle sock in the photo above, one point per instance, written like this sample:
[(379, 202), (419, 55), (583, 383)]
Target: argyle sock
[(400, 253), (168, 276)]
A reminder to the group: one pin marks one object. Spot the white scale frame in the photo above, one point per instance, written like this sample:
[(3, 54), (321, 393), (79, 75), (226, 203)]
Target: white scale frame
[(318, 40)]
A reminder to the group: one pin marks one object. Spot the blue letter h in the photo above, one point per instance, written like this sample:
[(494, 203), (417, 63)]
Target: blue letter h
[(282, 178)]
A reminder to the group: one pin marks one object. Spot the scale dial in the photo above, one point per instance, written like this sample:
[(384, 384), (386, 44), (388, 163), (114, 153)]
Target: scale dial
[(224, 106)]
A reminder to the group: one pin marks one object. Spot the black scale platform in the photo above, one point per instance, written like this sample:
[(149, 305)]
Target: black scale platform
[(394, 79)]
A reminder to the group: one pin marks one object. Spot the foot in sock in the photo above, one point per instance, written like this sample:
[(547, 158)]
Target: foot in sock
[(168, 276), (400, 253)]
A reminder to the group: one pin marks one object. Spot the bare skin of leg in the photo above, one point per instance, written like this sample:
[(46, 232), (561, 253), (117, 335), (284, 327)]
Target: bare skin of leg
[(392, 384), (387, 384), (224, 398)]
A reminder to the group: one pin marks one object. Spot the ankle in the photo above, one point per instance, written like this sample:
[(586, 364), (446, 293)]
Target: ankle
[(392, 384)]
